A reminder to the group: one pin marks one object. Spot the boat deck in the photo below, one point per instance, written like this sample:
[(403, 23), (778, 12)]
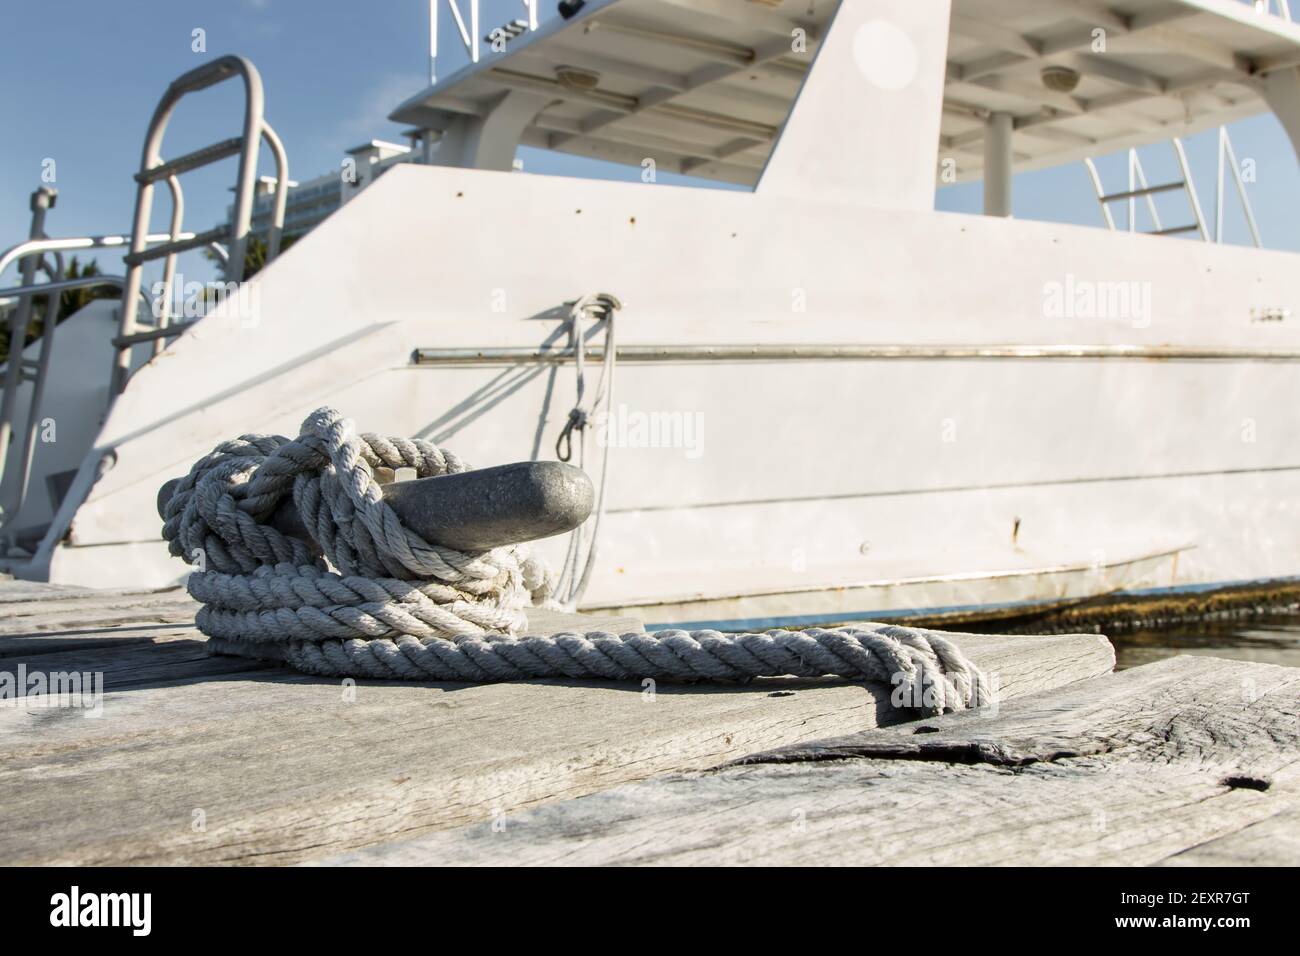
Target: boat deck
[(219, 760), (705, 86)]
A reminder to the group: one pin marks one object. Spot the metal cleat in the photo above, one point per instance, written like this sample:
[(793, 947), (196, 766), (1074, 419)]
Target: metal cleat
[(474, 510)]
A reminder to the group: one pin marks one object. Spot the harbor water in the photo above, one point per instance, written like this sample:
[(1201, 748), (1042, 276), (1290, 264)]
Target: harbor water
[(1268, 640)]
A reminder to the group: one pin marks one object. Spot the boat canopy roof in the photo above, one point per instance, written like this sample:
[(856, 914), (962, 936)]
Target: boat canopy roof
[(704, 86)]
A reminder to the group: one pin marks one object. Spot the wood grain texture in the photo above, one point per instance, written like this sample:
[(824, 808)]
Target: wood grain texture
[(283, 767), (1189, 760), (1274, 840)]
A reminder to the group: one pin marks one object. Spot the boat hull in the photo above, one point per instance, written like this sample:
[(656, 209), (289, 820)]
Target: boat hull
[(821, 411)]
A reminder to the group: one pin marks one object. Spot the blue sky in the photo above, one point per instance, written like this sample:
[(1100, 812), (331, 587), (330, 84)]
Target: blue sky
[(84, 75)]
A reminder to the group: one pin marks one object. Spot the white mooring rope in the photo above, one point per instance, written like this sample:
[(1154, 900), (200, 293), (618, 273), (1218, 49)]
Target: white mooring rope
[(396, 606), (575, 572)]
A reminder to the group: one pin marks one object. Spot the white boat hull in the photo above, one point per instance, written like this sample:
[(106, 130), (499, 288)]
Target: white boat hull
[(953, 439)]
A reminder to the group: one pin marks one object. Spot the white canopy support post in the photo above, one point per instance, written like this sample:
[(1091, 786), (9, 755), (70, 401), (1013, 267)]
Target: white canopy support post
[(997, 164), (1282, 92), (490, 140), (865, 126)]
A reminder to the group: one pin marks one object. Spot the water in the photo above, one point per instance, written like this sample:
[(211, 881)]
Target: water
[(1271, 640)]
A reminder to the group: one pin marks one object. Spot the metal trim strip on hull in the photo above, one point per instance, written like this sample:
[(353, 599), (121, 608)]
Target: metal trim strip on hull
[(953, 489), (768, 353)]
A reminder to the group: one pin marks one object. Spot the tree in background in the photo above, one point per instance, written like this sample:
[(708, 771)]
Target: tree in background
[(70, 301), (254, 254)]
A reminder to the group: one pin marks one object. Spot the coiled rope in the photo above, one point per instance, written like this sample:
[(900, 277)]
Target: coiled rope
[(391, 605)]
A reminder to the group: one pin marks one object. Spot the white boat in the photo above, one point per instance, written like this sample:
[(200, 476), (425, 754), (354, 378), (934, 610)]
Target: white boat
[(830, 400)]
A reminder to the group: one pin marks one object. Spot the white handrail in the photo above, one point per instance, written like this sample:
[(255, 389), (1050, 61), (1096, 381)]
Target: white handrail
[(1139, 186), (1191, 188), (1136, 172), (469, 32), (1227, 152), (153, 168)]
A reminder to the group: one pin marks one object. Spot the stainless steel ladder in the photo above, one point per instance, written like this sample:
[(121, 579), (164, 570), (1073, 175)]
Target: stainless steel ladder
[(1140, 188), (143, 247), (154, 169)]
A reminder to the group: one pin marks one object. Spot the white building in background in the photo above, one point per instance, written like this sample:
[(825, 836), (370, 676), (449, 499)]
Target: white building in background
[(312, 201)]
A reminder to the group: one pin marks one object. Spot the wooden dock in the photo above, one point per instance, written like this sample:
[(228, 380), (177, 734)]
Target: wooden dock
[(219, 760)]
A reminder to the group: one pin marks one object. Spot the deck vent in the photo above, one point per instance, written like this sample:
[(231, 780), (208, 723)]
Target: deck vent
[(576, 78), (1060, 79)]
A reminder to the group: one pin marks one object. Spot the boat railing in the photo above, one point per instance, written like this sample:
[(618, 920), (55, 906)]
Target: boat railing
[(20, 370), (470, 30), (1140, 188), (227, 243), (154, 169)]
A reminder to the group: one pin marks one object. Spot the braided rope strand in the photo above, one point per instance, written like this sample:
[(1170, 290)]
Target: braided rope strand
[(378, 601)]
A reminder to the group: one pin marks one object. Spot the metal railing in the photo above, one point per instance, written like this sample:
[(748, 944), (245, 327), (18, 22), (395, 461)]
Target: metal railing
[(1139, 187), (154, 169), (470, 32), (1228, 159), (143, 247), (21, 370)]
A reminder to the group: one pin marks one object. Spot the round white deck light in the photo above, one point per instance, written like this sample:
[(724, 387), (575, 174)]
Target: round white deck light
[(1060, 79)]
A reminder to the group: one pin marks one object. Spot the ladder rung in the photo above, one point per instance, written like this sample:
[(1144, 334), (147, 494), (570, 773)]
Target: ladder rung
[(196, 241), (1144, 191), (124, 341), (200, 157), (1176, 229)]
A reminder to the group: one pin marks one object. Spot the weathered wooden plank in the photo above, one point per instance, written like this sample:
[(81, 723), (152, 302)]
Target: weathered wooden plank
[(31, 645), (95, 600), (173, 657), (1186, 760), (102, 610), (1273, 841), (137, 654), (281, 767), (99, 619), (17, 592), (31, 607)]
